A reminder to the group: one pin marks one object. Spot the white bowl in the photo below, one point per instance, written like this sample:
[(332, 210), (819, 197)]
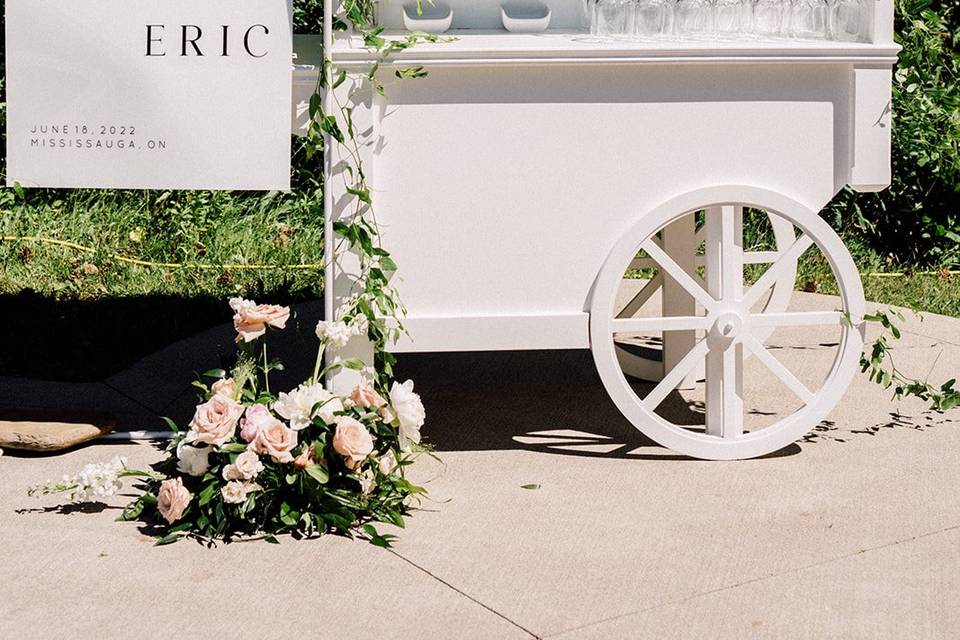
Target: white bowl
[(527, 16), (433, 18)]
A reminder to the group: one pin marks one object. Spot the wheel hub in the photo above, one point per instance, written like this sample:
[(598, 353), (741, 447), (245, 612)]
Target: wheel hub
[(727, 326)]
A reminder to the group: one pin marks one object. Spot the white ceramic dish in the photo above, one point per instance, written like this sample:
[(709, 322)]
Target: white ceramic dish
[(527, 16), (433, 18)]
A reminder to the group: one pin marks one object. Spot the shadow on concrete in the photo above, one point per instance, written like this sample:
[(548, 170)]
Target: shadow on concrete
[(545, 401)]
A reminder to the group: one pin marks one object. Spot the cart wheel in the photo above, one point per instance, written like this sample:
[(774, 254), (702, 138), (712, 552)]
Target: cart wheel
[(731, 324), (648, 362)]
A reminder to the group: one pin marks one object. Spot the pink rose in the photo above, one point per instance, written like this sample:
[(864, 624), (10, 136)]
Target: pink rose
[(305, 459), (256, 418), (352, 441), (365, 397), (172, 499), (225, 387), (275, 440), (251, 321), (215, 421)]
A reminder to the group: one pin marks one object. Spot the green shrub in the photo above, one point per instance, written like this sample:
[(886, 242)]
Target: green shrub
[(916, 221)]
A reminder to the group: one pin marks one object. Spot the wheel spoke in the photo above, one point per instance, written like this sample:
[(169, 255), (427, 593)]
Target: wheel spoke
[(679, 275), (676, 375), (731, 252), (797, 319), (777, 368), (731, 394), (631, 308), (658, 324), (777, 269)]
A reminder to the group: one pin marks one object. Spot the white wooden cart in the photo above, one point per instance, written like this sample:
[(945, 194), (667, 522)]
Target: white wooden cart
[(527, 175)]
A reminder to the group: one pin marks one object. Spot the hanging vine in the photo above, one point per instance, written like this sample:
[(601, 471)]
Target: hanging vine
[(376, 303)]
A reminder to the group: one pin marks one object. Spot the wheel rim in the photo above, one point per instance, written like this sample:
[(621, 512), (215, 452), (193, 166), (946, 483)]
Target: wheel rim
[(731, 328)]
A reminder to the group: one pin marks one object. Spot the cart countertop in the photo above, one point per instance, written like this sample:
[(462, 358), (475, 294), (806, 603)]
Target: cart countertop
[(461, 47)]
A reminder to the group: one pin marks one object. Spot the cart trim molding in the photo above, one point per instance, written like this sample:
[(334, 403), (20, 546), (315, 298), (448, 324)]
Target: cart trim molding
[(495, 333), (479, 47)]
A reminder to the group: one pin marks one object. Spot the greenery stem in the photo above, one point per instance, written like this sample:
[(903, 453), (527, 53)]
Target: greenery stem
[(316, 367), (266, 368)]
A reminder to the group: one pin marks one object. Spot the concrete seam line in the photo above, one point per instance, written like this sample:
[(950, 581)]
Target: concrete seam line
[(758, 579), (466, 595)]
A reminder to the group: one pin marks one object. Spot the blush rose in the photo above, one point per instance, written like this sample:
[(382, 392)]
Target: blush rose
[(352, 441), (215, 421), (172, 499)]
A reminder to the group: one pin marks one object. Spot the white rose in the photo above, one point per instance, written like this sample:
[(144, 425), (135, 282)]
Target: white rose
[(236, 492), (230, 472), (368, 482), (409, 411), (297, 406), (387, 463), (193, 461), (248, 465)]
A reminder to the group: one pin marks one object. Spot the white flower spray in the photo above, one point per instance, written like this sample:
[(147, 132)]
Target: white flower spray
[(94, 482)]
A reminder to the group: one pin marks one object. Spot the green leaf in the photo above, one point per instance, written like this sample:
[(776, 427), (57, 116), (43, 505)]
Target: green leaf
[(530, 486), (272, 539), (412, 72), (353, 363), (361, 193), (288, 515), (233, 447), (215, 373), (170, 539), (207, 494), (133, 510), (170, 423), (387, 264), (318, 472)]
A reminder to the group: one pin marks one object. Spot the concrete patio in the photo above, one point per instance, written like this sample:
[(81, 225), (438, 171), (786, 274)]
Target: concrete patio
[(854, 532)]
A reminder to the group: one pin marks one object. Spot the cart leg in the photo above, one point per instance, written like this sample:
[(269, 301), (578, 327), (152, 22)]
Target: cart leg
[(679, 243), (343, 272), (724, 369)]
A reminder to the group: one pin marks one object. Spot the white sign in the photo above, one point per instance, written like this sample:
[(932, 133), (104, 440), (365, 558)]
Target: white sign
[(153, 94)]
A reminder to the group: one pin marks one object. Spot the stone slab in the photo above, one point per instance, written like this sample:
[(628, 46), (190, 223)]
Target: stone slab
[(46, 431)]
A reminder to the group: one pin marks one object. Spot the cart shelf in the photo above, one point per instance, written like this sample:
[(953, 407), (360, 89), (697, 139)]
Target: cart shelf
[(474, 46)]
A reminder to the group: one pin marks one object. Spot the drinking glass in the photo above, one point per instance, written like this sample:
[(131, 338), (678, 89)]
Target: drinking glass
[(769, 17), (808, 19), (847, 20), (728, 17), (695, 18), (611, 17), (653, 18), (589, 8)]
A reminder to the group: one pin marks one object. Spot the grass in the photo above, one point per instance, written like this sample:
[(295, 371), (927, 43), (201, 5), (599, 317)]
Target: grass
[(216, 236), (933, 293)]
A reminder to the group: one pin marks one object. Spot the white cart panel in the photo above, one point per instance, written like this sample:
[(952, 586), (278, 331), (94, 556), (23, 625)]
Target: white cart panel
[(487, 178)]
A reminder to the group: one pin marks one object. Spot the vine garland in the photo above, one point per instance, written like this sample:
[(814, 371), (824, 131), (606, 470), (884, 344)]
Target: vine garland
[(378, 301)]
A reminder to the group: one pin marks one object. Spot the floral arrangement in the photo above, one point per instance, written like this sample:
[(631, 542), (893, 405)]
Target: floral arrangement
[(304, 461)]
